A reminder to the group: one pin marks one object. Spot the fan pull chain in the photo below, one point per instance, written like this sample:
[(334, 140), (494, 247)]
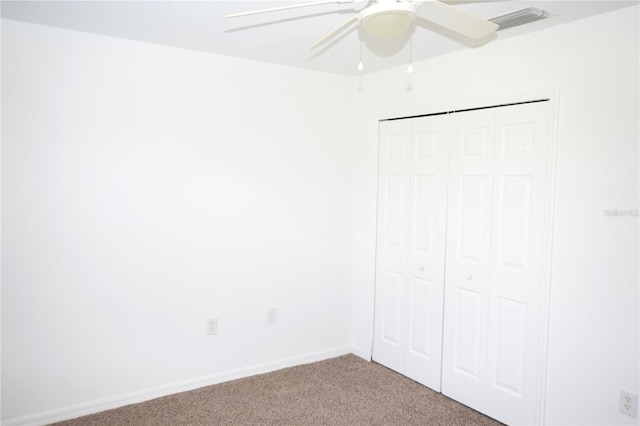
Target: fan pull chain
[(360, 66), (410, 68)]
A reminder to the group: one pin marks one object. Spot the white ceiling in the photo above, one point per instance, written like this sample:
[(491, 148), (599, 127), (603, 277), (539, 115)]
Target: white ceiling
[(281, 37)]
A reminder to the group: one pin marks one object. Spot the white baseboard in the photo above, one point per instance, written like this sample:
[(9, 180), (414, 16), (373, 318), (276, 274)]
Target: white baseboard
[(96, 406)]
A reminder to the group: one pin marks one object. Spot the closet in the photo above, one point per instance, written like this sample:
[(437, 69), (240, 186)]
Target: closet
[(462, 254)]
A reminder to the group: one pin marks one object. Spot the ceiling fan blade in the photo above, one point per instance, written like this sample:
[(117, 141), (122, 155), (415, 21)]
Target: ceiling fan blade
[(293, 6), (335, 31), (455, 20)]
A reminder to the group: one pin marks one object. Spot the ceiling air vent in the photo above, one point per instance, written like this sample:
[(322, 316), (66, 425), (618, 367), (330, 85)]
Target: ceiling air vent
[(519, 17)]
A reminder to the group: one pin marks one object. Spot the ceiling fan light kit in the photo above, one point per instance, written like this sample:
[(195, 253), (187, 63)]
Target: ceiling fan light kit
[(387, 20)]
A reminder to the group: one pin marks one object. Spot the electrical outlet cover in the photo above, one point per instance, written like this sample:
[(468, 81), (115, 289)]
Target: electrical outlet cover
[(212, 327), (272, 316), (628, 403)]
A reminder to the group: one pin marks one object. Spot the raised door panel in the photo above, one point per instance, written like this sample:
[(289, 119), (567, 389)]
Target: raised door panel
[(392, 286), (519, 231), (468, 256), (392, 242), (426, 249)]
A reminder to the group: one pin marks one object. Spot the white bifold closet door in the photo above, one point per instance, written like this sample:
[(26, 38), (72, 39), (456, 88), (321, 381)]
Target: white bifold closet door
[(497, 230), (461, 260), (411, 247), (468, 256)]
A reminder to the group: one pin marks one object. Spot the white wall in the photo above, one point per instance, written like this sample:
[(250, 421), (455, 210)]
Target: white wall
[(146, 189), (593, 66)]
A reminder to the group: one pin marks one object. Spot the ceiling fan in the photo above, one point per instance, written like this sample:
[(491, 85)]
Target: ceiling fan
[(388, 19)]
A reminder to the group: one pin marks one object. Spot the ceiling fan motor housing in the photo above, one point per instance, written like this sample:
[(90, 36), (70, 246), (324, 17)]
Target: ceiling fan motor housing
[(388, 19)]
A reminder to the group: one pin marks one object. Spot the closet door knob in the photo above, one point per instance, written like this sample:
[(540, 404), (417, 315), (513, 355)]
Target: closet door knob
[(421, 268), (468, 276)]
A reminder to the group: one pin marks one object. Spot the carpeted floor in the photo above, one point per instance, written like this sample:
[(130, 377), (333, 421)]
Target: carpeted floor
[(340, 391)]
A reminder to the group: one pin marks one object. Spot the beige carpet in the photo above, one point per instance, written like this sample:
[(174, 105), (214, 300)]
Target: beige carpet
[(340, 391)]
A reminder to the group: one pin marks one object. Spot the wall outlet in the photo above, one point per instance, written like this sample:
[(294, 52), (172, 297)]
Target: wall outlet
[(212, 327), (628, 403), (272, 316)]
